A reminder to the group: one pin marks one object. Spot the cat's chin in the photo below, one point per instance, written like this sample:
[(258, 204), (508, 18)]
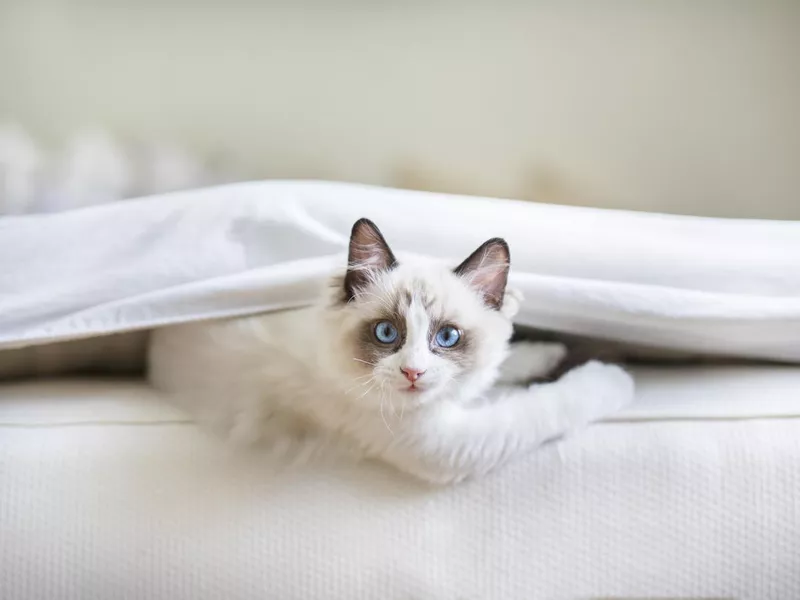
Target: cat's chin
[(416, 395), (414, 388), (419, 395)]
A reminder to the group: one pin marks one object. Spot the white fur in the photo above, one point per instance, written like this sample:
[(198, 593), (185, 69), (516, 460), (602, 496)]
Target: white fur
[(290, 376)]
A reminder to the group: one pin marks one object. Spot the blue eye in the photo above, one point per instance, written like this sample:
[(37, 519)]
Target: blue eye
[(385, 332), (447, 336)]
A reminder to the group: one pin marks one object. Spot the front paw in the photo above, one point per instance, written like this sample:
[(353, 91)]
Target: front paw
[(596, 390)]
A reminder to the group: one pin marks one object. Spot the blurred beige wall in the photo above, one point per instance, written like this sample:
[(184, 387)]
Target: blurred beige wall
[(688, 107)]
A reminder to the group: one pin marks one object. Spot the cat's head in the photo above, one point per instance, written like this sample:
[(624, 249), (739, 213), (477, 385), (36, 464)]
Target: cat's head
[(417, 330)]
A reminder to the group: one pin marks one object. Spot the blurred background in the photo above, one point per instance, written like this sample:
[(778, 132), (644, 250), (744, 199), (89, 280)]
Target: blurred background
[(672, 106)]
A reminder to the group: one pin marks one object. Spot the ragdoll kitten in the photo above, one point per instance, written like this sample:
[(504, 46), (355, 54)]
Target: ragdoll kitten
[(407, 362)]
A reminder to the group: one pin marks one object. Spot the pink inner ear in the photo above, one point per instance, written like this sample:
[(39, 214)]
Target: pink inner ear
[(368, 254), (490, 280), (488, 276), (486, 271), (368, 248)]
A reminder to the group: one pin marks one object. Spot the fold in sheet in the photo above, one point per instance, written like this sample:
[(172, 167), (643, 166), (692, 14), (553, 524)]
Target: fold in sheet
[(682, 283)]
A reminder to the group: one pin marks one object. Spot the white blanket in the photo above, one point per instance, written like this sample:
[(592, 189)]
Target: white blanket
[(682, 283)]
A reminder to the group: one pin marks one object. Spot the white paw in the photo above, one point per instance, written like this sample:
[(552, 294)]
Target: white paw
[(528, 360), (596, 390)]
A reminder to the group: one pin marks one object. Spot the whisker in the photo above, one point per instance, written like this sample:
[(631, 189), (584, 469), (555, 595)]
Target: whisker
[(391, 404), (367, 392), (361, 384), (383, 417), (366, 362)]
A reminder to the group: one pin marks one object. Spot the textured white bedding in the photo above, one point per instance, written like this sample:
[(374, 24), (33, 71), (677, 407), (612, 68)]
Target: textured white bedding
[(108, 493)]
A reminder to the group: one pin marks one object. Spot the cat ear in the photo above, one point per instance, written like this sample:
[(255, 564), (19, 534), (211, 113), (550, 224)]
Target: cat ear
[(369, 253), (486, 271)]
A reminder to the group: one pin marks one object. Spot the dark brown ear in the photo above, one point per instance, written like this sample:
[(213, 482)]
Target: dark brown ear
[(369, 253), (486, 271)]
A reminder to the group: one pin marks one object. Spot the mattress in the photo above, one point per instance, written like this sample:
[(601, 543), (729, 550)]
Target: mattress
[(107, 492)]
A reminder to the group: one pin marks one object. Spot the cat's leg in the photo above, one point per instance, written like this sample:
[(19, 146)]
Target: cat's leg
[(250, 423), (455, 442), (278, 433), (257, 421), (527, 361)]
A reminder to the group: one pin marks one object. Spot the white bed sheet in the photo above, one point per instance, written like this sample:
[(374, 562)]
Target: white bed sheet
[(684, 283), (107, 492)]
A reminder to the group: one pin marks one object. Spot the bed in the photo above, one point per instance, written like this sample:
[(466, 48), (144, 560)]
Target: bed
[(692, 492), (108, 491)]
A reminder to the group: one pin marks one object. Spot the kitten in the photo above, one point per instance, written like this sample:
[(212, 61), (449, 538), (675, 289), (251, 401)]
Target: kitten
[(407, 362)]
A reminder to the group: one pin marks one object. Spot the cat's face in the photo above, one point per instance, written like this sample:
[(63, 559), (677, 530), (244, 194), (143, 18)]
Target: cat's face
[(409, 333)]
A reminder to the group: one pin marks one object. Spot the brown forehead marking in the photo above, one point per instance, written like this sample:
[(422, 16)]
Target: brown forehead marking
[(402, 300), (419, 290), (427, 302)]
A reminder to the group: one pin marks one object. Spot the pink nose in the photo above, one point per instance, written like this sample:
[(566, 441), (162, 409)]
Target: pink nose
[(412, 374)]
